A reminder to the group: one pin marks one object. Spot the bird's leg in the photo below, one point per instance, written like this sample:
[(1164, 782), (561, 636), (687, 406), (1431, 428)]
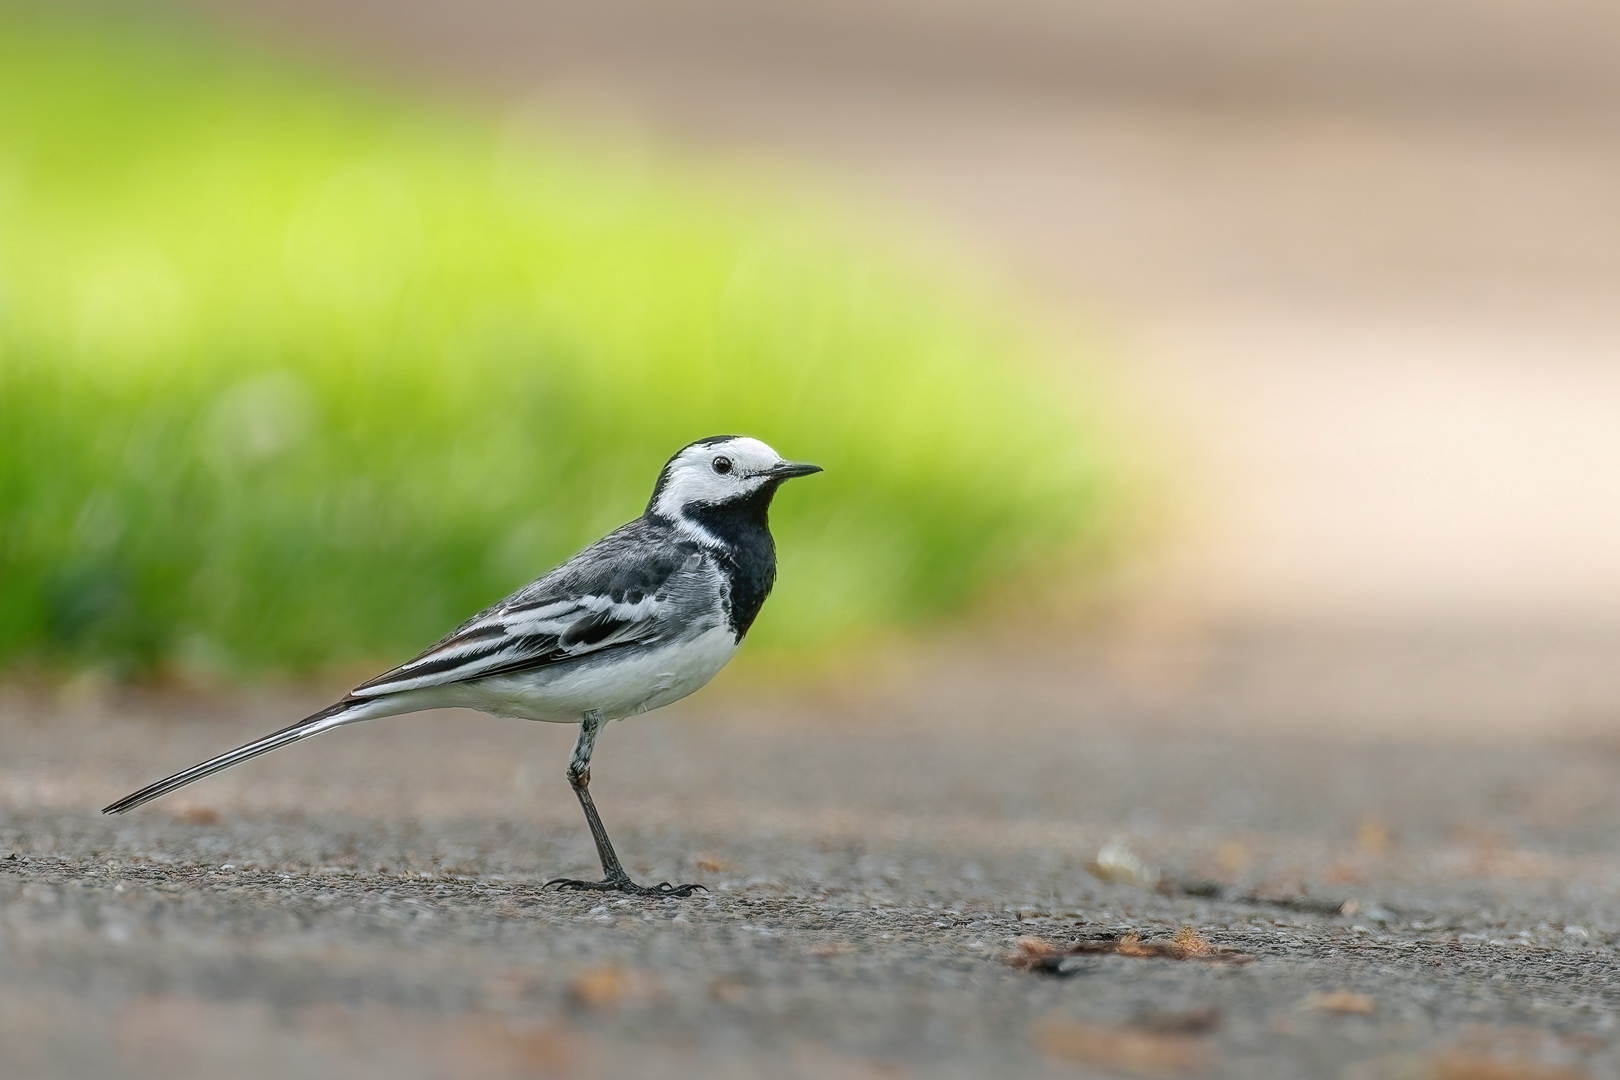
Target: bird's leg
[(579, 778), (614, 879)]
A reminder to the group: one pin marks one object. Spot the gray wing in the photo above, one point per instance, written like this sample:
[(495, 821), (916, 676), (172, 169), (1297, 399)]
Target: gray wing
[(619, 592)]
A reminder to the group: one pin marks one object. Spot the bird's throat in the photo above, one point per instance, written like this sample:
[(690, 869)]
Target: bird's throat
[(742, 540)]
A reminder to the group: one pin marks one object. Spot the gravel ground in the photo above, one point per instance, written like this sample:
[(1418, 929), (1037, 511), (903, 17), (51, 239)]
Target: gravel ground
[(1415, 905)]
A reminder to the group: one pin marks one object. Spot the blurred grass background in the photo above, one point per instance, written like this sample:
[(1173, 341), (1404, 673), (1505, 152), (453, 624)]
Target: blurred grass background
[(294, 374)]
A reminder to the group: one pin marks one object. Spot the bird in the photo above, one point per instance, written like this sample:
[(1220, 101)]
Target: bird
[(640, 619)]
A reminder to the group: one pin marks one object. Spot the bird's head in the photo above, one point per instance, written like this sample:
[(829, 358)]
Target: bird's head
[(719, 471)]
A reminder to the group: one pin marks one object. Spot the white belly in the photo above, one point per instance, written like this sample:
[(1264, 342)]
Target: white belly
[(631, 683)]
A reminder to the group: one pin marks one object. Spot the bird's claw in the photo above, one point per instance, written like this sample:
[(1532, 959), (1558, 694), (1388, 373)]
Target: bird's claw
[(623, 885)]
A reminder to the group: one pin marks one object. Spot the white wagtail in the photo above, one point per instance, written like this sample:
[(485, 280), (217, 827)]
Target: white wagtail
[(640, 619)]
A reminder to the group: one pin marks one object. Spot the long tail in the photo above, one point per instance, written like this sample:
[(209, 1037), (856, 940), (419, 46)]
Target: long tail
[(344, 712)]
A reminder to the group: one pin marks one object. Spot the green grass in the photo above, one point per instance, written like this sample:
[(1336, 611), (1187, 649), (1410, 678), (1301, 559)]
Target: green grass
[(294, 374)]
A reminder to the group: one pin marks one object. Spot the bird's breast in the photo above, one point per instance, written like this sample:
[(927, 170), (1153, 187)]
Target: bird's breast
[(618, 683)]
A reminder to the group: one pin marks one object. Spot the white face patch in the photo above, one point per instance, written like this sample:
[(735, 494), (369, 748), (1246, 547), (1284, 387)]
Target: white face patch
[(714, 473)]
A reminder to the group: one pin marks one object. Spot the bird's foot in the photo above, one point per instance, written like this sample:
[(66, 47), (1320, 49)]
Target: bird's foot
[(623, 885)]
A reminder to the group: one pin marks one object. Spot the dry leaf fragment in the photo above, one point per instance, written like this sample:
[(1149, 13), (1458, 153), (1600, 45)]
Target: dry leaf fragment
[(1131, 945), (488, 1048), (1144, 1053), (712, 864), (1343, 1002), (1037, 954), (192, 814), (1474, 1067), (604, 987), (1030, 950), (1199, 1021), (1233, 858), (1373, 835), (733, 991), (1344, 873)]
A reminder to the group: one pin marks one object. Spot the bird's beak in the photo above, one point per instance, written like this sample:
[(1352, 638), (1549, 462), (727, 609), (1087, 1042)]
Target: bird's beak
[(785, 470)]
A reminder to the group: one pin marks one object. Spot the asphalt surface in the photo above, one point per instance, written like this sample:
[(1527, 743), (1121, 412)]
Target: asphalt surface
[(1412, 900)]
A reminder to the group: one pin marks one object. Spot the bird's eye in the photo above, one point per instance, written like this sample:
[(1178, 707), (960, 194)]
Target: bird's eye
[(722, 465)]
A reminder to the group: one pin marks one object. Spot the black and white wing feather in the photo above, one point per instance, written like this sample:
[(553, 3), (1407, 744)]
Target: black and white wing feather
[(622, 591), (636, 586)]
